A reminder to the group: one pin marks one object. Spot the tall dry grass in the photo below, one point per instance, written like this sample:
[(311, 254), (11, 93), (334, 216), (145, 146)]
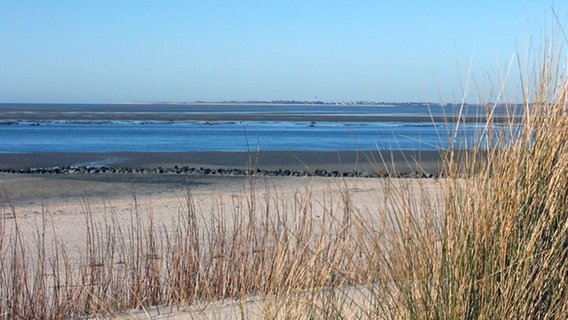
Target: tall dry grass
[(489, 241), (498, 247), (258, 248)]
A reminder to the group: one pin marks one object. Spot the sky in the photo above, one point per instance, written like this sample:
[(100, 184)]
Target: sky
[(78, 51)]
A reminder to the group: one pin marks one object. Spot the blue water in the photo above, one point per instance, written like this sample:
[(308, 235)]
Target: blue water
[(53, 135)]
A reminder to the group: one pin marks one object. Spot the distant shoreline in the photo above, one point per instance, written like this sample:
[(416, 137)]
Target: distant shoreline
[(238, 117), (168, 111)]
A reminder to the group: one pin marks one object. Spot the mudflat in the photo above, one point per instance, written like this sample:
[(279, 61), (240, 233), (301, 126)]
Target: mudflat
[(34, 190), (291, 160)]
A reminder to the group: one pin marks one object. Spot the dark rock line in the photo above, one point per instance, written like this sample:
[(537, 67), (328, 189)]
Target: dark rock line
[(217, 171)]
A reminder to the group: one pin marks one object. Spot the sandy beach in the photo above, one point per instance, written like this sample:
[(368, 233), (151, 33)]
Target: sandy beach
[(58, 208), (68, 194), (63, 203), (66, 197)]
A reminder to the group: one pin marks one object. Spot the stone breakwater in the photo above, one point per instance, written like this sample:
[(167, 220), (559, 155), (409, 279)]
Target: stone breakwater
[(176, 170)]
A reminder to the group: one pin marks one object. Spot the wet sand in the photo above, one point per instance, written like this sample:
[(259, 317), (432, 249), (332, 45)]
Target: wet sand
[(292, 160), (52, 188)]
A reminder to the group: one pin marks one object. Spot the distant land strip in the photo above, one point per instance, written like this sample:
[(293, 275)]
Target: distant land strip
[(156, 116)]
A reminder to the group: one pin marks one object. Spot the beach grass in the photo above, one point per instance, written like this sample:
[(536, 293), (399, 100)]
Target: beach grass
[(489, 240)]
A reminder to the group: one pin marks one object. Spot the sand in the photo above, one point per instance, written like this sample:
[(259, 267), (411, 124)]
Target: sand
[(62, 202), (63, 199), (69, 194)]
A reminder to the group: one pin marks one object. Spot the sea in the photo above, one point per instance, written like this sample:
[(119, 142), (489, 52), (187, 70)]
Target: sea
[(186, 127)]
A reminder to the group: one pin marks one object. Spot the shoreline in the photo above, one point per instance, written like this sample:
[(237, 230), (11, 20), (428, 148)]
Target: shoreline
[(376, 161), (71, 177), (60, 115), (203, 112)]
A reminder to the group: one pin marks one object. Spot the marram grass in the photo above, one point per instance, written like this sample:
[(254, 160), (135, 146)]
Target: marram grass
[(498, 248)]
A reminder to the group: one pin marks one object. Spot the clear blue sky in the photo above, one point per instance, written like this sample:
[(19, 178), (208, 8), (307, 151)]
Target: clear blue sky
[(118, 51)]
